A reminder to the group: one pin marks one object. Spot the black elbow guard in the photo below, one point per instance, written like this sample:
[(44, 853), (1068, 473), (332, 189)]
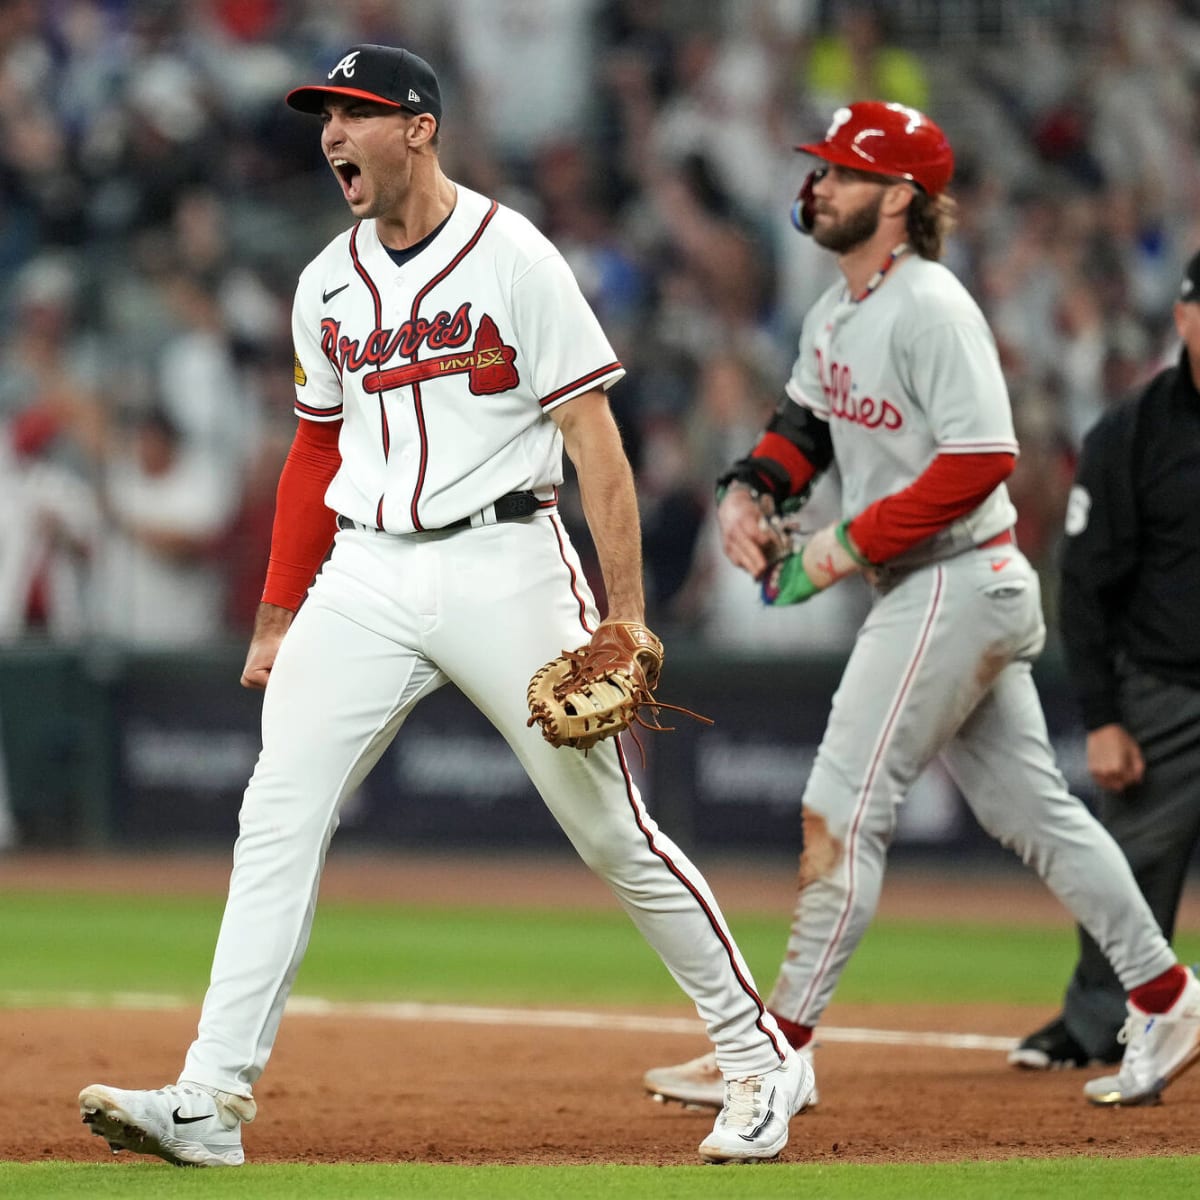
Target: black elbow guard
[(806, 431)]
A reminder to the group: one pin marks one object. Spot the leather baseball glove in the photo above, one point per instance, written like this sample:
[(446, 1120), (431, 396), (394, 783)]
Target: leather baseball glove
[(600, 689)]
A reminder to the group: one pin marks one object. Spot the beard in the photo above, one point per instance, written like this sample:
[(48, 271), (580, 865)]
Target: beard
[(842, 237)]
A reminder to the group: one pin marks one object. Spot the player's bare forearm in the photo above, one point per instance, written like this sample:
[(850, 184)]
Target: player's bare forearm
[(270, 624), (593, 443)]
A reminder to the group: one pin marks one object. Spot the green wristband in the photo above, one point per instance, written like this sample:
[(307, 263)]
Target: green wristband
[(788, 583), (842, 533)]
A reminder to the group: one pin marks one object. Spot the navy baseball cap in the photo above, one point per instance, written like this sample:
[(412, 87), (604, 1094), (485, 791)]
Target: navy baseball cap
[(1189, 289), (385, 74)]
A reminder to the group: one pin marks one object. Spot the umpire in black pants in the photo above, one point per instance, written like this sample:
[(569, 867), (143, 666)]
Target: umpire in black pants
[(1130, 578)]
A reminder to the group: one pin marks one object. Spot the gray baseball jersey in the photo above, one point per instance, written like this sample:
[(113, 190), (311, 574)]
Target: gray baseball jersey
[(941, 666), (907, 375)]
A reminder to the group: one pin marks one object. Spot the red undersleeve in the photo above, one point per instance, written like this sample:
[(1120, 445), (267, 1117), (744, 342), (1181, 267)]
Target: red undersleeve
[(949, 488), (304, 527), (777, 448)]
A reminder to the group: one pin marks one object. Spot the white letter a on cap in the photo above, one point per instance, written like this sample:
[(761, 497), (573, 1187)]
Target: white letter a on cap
[(346, 66)]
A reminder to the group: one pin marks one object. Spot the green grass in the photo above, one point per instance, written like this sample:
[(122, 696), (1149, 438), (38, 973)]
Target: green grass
[(481, 956), (1053, 1179), (585, 958)]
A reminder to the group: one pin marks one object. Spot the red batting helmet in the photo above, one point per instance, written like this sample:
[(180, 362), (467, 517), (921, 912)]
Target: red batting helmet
[(888, 139)]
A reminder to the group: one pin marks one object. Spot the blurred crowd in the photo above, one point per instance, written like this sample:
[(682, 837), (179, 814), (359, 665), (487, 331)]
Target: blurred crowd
[(158, 199)]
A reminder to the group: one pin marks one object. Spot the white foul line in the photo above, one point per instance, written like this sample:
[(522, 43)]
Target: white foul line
[(461, 1014)]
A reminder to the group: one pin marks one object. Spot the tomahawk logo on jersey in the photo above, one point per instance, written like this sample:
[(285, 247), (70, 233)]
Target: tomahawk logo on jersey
[(488, 365)]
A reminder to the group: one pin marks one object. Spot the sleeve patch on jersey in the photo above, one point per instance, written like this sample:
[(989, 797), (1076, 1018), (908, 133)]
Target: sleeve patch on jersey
[(301, 377), (1079, 508)]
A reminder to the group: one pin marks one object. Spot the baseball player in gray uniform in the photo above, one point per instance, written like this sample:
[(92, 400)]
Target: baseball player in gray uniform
[(445, 357), (898, 380)]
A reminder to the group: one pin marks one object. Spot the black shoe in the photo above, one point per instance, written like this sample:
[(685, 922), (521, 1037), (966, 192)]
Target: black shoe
[(1052, 1048)]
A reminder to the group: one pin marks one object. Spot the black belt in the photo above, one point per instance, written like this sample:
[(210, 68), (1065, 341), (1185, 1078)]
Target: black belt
[(513, 507)]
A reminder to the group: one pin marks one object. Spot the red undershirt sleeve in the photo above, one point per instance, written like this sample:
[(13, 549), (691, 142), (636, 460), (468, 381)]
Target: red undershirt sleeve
[(949, 488), (304, 528)]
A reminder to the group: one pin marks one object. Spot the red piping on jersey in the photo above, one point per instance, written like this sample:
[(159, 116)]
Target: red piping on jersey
[(378, 302), (418, 408), (862, 803), (722, 934), (562, 551), (638, 810), (591, 377), (385, 435), (309, 411)]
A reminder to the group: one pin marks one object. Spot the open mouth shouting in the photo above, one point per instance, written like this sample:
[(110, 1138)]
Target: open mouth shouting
[(350, 176)]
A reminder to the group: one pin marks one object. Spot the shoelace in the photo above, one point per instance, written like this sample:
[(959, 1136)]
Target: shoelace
[(1131, 1035), (742, 1102)]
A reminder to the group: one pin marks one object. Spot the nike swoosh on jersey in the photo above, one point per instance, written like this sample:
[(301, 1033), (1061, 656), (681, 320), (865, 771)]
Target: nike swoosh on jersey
[(327, 296), (998, 564)]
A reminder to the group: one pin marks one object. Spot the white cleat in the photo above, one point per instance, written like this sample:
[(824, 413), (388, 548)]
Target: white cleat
[(1159, 1047), (699, 1083), (753, 1124), (183, 1123)]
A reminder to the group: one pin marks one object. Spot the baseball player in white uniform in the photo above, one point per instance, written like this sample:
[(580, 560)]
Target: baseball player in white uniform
[(444, 358), (898, 380)]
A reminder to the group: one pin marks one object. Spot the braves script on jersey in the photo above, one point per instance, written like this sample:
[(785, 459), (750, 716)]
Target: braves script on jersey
[(446, 361), (443, 372), (910, 373), (443, 368)]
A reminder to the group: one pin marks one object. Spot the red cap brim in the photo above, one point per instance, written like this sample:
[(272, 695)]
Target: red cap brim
[(843, 158), (308, 99)]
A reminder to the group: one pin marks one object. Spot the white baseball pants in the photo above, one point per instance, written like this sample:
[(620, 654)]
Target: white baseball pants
[(389, 620)]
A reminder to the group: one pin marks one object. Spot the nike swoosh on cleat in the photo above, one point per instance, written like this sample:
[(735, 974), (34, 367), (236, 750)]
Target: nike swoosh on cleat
[(190, 1120), (327, 296)]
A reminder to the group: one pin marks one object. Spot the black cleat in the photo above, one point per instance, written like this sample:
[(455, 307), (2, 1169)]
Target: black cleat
[(1052, 1048)]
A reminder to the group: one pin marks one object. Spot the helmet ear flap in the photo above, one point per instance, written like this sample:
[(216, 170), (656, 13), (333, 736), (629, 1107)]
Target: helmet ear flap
[(803, 206)]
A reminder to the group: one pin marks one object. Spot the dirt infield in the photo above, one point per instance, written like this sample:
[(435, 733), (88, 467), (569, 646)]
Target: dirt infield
[(401, 1091)]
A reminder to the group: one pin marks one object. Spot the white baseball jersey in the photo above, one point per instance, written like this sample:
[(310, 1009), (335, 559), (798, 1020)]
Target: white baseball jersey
[(442, 368), (902, 376)]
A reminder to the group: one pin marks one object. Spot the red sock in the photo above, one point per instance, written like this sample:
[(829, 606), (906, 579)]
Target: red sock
[(1159, 993), (797, 1035)]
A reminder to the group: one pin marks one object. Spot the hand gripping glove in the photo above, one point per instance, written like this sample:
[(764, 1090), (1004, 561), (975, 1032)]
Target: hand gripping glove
[(600, 690), (827, 556)]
